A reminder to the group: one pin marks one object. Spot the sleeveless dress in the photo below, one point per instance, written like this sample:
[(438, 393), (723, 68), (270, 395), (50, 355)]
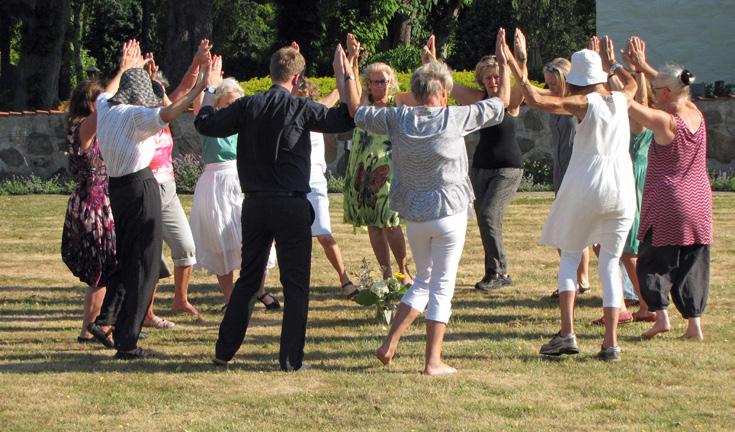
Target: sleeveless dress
[(367, 181), (596, 201), (639, 145), (88, 238)]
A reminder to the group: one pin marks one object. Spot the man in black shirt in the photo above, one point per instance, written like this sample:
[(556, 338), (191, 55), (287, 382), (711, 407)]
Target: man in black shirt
[(273, 163)]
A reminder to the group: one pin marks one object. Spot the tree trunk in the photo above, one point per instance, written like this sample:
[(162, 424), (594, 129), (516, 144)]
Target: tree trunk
[(76, 40), (189, 21), (399, 30), (44, 28), (444, 18)]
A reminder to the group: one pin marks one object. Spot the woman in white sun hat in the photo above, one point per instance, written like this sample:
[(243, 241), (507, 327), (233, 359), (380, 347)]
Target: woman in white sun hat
[(596, 200)]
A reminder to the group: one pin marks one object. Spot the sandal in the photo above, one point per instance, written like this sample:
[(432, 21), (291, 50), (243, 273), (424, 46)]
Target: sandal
[(273, 305), (352, 294), (100, 335), (159, 323), (623, 317), (580, 290)]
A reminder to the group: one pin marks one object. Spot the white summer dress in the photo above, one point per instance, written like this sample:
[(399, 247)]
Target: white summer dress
[(596, 201)]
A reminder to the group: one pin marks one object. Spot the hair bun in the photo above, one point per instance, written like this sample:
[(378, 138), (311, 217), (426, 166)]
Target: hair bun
[(686, 77)]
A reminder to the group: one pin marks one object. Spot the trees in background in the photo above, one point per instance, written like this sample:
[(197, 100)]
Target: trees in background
[(46, 45)]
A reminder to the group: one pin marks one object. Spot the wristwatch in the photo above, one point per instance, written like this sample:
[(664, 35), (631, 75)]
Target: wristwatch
[(349, 78), (211, 90), (615, 67)]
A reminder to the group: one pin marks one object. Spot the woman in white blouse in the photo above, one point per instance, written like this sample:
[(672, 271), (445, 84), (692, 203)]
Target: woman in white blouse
[(431, 188)]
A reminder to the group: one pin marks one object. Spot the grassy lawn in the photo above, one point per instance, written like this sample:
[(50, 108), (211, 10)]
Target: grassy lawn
[(50, 382)]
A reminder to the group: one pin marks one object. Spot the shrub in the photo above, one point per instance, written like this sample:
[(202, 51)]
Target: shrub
[(541, 172), (404, 58), (335, 184), (25, 185), (722, 180), (187, 169)]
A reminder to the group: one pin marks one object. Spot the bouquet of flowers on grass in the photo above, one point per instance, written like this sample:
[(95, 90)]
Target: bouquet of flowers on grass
[(383, 294)]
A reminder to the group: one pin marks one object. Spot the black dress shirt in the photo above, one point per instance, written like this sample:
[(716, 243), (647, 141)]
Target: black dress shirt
[(273, 145)]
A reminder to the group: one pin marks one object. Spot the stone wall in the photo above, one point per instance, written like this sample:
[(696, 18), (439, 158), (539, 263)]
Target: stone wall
[(34, 142)]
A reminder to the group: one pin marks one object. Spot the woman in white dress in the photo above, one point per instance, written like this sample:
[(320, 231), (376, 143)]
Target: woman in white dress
[(217, 205), (596, 200)]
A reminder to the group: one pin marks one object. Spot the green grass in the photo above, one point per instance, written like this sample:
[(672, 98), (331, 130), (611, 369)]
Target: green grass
[(49, 382)]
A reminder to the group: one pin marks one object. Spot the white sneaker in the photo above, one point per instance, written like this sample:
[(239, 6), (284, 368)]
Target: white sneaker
[(559, 345)]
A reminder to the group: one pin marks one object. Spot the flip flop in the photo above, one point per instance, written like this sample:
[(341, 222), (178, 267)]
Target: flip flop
[(649, 318), (623, 317), (159, 323)]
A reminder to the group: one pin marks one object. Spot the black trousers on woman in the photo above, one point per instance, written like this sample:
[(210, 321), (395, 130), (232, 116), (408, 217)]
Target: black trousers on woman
[(287, 220), (136, 206)]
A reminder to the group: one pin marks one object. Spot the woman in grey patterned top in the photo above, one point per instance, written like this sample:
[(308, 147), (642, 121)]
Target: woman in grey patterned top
[(431, 189)]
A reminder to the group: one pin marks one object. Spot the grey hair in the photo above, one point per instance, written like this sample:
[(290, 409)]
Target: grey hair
[(228, 85), (160, 77), (676, 78), (430, 79)]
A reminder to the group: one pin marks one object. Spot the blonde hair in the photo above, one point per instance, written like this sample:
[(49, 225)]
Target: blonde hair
[(285, 63), (228, 85), (559, 67), (430, 79), (675, 78), (392, 85), (485, 63), (309, 89)]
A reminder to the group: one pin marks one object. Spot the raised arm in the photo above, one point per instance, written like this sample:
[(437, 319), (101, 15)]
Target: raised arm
[(353, 56), (636, 55), (520, 53), (641, 96), (610, 64), (201, 58), (346, 83), (214, 79), (130, 58), (502, 52), (171, 112)]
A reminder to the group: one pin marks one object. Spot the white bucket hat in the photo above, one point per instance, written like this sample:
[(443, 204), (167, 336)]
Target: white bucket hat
[(586, 69)]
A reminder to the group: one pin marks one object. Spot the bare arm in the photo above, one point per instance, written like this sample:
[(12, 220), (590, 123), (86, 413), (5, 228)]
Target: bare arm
[(214, 79), (607, 52), (636, 56), (641, 97), (502, 52), (171, 112), (87, 130), (347, 87), (520, 53), (201, 58), (353, 57), (660, 122), (465, 95)]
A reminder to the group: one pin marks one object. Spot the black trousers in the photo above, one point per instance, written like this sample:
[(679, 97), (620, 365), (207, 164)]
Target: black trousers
[(136, 207), (287, 220), (679, 271)]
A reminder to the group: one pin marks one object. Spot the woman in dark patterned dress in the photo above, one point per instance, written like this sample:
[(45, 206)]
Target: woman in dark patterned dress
[(88, 240)]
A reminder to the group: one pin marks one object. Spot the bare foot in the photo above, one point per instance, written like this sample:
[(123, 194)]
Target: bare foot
[(441, 369), (693, 335), (385, 355), (184, 308), (659, 327)]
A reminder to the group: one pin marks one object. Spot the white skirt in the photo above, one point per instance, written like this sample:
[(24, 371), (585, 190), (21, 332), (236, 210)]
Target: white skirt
[(215, 220), (320, 203)]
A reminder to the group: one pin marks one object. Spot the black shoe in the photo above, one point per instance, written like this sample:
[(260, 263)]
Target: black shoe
[(100, 335), (136, 354), (493, 282), (273, 305)]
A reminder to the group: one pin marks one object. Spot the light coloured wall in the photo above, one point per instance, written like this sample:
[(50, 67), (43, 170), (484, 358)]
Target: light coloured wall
[(698, 34)]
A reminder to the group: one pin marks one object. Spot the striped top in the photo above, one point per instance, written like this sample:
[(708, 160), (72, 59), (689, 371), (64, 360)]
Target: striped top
[(126, 134), (677, 196), (430, 168)]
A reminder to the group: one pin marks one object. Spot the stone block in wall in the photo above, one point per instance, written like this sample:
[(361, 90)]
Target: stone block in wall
[(39, 144), (12, 157), (186, 138)]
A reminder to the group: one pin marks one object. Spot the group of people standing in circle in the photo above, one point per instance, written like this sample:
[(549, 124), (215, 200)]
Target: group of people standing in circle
[(629, 174)]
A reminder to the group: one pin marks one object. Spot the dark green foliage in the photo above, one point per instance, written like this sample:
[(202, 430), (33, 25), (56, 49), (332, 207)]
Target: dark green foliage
[(335, 184), (113, 22), (403, 59), (244, 32)]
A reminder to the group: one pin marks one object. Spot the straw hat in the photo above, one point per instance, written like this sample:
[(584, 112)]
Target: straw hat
[(136, 88), (586, 69)]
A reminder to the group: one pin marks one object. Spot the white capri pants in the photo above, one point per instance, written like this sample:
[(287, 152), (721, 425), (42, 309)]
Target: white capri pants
[(608, 268), (437, 247)]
